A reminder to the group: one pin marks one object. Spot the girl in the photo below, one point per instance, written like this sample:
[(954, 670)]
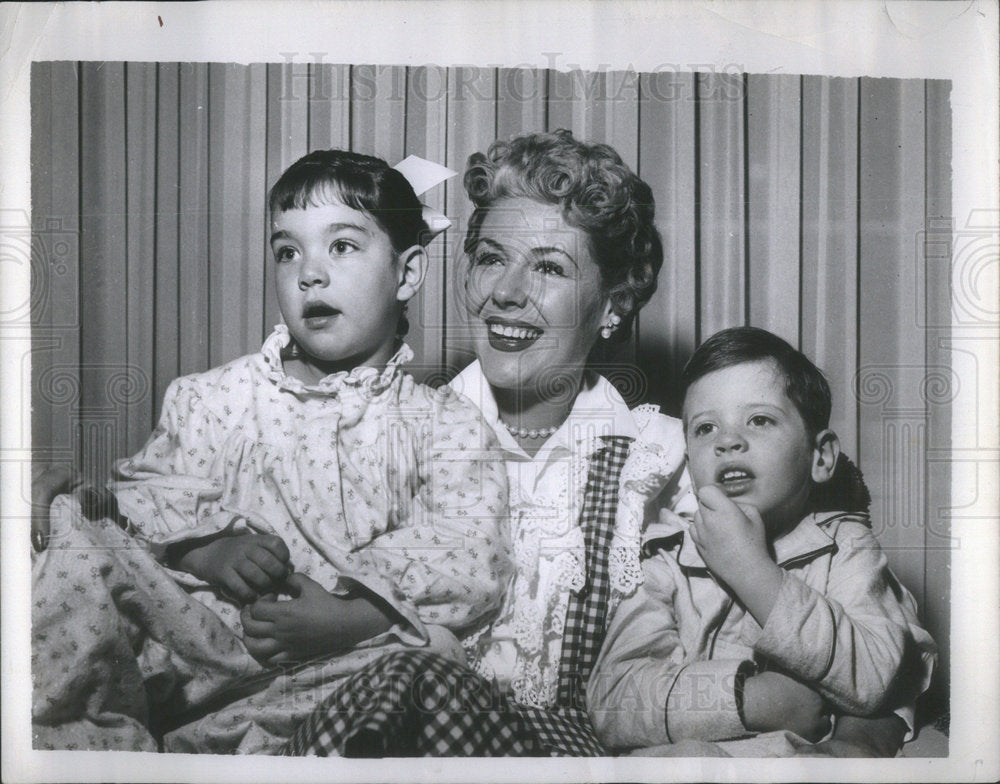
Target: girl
[(312, 496)]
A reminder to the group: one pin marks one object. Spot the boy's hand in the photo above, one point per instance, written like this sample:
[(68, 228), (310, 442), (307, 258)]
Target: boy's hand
[(772, 701), (312, 623), (732, 540), (245, 566), (726, 534)]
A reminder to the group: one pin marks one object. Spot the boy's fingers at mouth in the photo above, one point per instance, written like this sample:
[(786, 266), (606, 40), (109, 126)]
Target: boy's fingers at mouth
[(751, 511), (712, 497)]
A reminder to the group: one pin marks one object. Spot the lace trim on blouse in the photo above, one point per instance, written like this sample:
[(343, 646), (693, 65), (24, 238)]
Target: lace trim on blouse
[(653, 459)]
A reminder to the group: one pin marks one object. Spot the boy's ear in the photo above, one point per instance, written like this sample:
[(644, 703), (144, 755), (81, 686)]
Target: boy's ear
[(412, 271), (826, 450)]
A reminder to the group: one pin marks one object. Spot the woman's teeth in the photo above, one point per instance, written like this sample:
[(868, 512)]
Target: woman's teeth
[(516, 333)]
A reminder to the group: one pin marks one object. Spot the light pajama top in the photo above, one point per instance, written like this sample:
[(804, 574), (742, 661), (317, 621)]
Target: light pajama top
[(578, 509), (842, 624)]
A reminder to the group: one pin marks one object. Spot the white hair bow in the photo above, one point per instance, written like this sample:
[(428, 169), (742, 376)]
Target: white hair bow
[(422, 176)]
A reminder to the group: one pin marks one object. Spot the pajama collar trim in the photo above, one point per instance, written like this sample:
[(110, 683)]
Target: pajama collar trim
[(812, 537), (367, 380)]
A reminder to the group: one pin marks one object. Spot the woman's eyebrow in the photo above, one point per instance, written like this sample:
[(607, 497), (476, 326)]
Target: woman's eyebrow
[(487, 241), (539, 251), (542, 251)]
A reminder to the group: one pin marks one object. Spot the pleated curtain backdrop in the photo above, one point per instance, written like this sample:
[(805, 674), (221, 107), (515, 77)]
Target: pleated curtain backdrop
[(812, 206)]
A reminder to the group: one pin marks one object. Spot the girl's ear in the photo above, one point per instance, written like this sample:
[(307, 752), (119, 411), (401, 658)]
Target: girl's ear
[(412, 271), (826, 450)]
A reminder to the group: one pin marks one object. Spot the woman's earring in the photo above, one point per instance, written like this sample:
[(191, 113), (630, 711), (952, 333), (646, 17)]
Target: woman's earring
[(611, 326)]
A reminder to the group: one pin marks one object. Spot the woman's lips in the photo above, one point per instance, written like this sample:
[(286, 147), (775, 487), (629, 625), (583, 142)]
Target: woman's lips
[(511, 336)]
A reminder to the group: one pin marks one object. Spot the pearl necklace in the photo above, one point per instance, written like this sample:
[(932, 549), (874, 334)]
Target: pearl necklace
[(523, 432)]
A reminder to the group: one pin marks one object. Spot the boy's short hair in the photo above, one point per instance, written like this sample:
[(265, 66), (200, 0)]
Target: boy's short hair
[(361, 182), (805, 384)]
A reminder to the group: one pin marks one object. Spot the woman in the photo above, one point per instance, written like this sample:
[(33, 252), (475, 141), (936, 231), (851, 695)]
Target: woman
[(562, 253)]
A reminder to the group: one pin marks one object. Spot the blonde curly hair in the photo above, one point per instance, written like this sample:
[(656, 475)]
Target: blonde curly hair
[(597, 192)]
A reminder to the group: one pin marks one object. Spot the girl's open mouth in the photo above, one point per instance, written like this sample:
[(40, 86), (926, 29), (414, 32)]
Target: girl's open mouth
[(735, 480), (511, 336), (318, 314)]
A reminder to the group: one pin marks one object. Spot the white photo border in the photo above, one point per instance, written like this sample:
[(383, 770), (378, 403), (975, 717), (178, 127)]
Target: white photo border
[(941, 40)]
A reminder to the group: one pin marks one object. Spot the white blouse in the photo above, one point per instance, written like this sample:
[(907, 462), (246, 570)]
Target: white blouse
[(522, 649)]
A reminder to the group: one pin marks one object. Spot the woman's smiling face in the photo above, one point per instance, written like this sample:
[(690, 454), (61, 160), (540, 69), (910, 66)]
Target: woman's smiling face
[(536, 293)]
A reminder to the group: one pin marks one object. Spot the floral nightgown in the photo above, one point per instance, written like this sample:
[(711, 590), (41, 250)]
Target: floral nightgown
[(367, 476)]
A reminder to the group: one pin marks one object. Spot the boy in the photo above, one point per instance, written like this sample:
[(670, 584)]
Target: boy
[(768, 612)]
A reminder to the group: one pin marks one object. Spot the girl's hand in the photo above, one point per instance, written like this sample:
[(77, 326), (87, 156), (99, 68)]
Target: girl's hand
[(312, 623), (732, 540), (772, 701), (244, 566)]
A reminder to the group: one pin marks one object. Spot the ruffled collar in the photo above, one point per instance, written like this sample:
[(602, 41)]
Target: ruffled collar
[(656, 453), (368, 381), (599, 410)]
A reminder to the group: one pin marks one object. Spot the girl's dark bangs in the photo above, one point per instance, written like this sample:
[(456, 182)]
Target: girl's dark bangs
[(319, 187)]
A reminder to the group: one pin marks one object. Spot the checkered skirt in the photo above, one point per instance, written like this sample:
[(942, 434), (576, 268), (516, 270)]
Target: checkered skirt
[(415, 703)]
